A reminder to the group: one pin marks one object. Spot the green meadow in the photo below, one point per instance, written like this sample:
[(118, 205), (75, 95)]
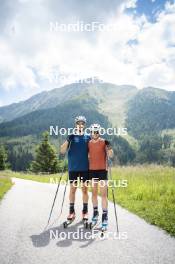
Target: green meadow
[(150, 193)]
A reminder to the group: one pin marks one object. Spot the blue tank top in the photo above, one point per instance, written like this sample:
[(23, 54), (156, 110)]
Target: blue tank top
[(78, 153)]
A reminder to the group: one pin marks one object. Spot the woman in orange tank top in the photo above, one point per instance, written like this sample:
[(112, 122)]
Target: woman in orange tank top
[(99, 151)]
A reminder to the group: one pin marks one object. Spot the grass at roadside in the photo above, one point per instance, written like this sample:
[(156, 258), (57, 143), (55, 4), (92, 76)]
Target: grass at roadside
[(5, 185), (150, 193), (50, 178)]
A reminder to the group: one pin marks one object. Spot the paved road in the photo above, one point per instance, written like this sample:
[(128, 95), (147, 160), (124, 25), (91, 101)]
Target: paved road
[(23, 215)]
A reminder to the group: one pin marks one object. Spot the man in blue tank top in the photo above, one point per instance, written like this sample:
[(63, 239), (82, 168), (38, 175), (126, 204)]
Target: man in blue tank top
[(78, 165)]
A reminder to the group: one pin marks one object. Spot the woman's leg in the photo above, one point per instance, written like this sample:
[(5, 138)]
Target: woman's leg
[(104, 193), (95, 197)]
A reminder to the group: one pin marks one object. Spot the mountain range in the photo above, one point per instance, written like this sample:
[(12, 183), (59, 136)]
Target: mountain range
[(141, 111), (109, 98), (148, 111)]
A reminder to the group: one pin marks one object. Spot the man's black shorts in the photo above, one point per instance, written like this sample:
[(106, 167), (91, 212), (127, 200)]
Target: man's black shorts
[(82, 175), (98, 175)]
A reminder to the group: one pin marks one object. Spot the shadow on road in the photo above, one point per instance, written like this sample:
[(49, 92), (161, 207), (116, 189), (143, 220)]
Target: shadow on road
[(64, 237)]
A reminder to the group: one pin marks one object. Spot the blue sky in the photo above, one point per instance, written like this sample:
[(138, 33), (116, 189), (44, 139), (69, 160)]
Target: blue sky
[(150, 7), (138, 50)]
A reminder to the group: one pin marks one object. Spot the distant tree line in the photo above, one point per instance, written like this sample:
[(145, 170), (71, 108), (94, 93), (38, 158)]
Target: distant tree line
[(3, 158), (154, 148), (151, 149)]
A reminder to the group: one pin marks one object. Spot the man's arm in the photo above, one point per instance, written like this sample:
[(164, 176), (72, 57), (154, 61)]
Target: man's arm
[(64, 147), (66, 144)]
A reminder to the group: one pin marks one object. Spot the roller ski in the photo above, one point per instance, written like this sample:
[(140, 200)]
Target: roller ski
[(70, 219), (104, 227), (85, 220)]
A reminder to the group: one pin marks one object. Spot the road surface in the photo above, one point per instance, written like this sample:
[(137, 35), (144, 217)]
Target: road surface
[(24, 213)]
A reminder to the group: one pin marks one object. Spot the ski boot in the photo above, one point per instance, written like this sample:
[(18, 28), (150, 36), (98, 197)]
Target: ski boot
[(85, 219), (104, 227), (94, 221), (70, 219)]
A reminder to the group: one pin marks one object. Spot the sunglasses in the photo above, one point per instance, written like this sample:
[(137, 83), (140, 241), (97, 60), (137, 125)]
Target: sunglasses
[(80, 123), (95, 132)]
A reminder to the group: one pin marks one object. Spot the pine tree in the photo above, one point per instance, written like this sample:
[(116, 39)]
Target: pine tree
[(3, 158), (46, 158)]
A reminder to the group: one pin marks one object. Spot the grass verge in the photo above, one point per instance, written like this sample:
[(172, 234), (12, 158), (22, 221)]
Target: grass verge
[(45, 178), (150, 193), (5, 185)]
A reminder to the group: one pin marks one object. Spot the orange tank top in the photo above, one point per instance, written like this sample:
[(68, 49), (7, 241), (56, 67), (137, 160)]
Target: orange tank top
[(97, 154)]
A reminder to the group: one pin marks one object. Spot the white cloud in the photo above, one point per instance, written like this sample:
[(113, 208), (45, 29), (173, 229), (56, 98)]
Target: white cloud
[(155, 53), (131, 4), (14, 71), (137, 52)]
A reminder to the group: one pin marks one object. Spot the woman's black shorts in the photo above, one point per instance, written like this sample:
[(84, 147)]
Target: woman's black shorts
[(98, 175)]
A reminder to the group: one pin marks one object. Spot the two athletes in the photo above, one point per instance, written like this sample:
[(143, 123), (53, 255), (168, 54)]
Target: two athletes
[(87, 160)]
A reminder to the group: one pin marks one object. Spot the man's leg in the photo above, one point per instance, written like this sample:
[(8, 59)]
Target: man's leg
[(72, 192), (85, 197), (84, 177)]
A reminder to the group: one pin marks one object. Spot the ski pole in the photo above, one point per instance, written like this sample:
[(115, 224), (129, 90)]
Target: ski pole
[(113, 196), (64, 194), (62, 172), (63, 198), (64, 191)]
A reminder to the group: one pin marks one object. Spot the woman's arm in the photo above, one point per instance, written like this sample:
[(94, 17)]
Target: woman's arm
[(109, 149), (110, 153)]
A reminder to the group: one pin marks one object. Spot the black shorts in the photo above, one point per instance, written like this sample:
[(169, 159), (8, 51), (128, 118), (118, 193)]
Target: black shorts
[(82, 175), (98, 174)]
